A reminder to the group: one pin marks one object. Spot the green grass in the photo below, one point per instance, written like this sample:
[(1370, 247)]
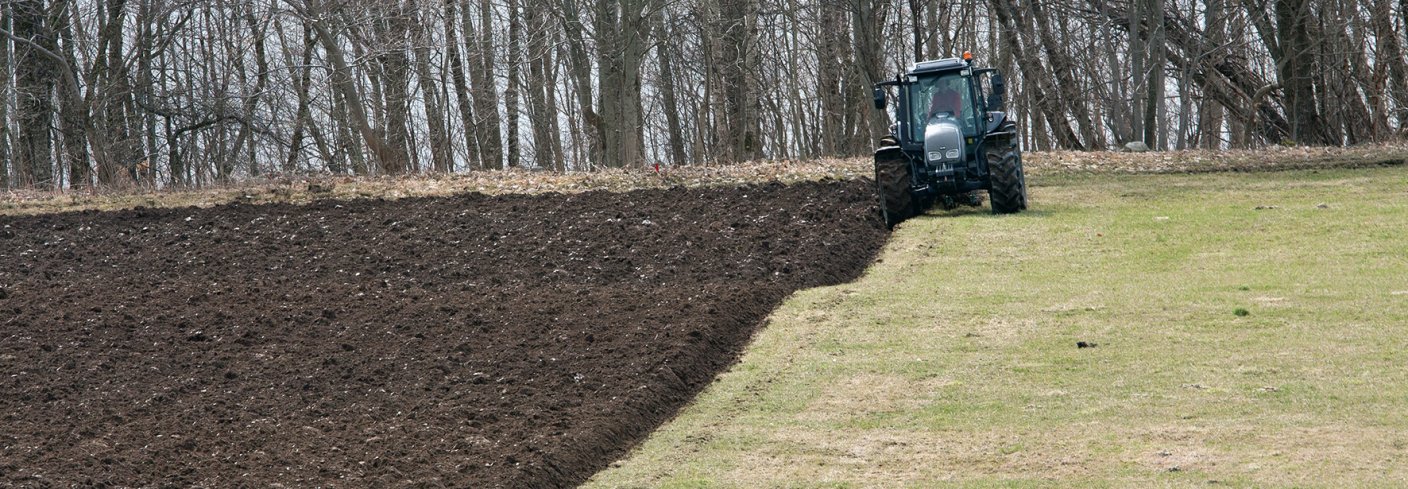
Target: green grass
[(1242, 346)]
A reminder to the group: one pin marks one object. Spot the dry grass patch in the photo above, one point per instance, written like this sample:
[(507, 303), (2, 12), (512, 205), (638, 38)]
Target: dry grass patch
[(1274, 158), (309, 188)]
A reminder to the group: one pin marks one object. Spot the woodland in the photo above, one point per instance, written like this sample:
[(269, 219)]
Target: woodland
[(191, 93)]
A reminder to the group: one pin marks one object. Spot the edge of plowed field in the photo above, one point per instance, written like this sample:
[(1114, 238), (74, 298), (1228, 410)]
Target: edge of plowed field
[(829, 230)]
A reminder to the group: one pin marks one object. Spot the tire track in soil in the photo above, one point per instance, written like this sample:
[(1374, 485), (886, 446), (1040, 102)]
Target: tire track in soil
[(468, 341)]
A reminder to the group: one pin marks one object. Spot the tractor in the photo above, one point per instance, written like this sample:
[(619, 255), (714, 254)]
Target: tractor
[(951, 140)]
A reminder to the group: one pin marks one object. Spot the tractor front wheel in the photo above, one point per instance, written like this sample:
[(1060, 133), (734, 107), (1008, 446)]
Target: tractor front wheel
[(892, 186), (1009, 185)]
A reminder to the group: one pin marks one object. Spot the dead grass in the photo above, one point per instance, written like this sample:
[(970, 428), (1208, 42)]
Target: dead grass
[(1275, 158), (307, 189), (304, 189)]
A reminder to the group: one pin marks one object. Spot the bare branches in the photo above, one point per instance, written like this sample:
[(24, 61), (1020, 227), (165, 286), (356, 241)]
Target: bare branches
[(200, 91)]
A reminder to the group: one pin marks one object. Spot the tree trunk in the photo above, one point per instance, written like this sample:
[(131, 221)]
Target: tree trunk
[(868, 27), (803, 124), (1401, 89), (1209, 113), (1392, 80), (73, 112), (1155, 135), (440, 148), (1297, 70), (737, 56), (550, 71), (1116, 98), (622, 31), (668, 100), (916, 24), (829, 74), (148, 23), (246, 136), (1359, 123), (609, 78), (708, 128), (1138, 56), (515, 60), (116, 95), (395, 84), (5, 87), (540, 86), (351, 149), (303, 115), (34, 89), (579, 63), (463, 99), (1185, 110), (486, 89)]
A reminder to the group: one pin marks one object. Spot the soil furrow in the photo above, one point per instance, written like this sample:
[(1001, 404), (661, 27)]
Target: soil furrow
[(467, 341)]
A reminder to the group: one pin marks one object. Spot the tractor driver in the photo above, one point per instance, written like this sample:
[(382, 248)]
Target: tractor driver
[(948, 98)]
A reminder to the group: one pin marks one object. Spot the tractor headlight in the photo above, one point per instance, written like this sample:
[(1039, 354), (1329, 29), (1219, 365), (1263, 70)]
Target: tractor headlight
[(952, 154), (936, 155)]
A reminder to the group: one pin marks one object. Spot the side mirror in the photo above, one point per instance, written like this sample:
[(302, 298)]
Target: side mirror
[(879, 98), (999, 88)]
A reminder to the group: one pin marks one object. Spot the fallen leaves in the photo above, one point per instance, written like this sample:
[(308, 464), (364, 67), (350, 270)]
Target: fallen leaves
[(1202, 161), (307, 188)]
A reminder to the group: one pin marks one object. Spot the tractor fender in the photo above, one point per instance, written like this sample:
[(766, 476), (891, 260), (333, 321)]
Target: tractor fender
[(888, 151), (892, 152), (1000, 125)]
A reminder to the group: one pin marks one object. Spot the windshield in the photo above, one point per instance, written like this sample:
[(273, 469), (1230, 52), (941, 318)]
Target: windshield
[(942, 95)]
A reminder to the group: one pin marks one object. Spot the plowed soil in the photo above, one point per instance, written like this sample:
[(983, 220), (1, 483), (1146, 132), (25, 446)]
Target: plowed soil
[(469, 341)]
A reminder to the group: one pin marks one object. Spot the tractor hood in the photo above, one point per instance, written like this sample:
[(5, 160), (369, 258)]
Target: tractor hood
[(943, 142)]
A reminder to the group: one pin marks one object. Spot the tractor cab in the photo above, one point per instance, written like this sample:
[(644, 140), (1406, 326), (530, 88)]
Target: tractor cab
[(935, 94), (945, 128)]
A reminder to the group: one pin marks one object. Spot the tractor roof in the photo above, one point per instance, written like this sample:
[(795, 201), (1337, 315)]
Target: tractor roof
[(945, 64)]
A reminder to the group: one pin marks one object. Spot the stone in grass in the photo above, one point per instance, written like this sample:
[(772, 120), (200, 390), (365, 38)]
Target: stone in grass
[(1086, 344)]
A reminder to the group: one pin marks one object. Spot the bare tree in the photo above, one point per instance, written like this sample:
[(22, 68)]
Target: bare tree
[(35, 70), (6, 87), (116, 92)]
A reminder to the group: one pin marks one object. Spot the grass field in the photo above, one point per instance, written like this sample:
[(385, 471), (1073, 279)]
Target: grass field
[(1252, 330)]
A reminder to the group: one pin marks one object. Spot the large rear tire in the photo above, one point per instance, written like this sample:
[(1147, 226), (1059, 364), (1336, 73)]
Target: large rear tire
[(892, 181), (1009, 185)]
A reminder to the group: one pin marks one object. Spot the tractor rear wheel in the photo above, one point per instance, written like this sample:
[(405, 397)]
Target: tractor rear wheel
[(892, 186), (1009, 185)]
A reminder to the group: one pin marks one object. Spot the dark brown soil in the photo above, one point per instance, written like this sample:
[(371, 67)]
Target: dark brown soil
[(471, 341)]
